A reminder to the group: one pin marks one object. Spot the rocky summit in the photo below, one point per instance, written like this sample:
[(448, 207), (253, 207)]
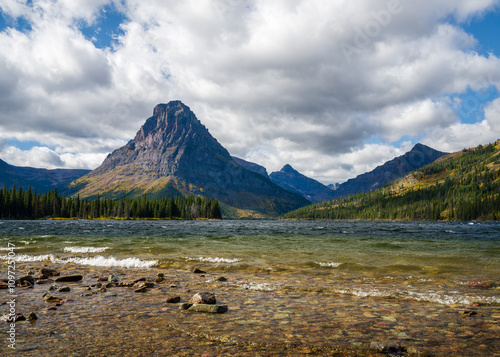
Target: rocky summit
[(174, 154)]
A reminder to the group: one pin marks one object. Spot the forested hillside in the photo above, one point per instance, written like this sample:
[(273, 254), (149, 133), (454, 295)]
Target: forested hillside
[(459, 186), (21, 204)]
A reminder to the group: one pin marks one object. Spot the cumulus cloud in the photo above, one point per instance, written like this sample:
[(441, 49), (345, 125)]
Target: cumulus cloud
[(309, 83)]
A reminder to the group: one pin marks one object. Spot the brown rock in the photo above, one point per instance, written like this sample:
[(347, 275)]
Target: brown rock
[(27, 280), (145, 284), (203, 298), (69, 278), (32, 317), (138, 280), (173, 300), (48, 272), (141, 290), (18, 317), (103, 278), (64, 289)]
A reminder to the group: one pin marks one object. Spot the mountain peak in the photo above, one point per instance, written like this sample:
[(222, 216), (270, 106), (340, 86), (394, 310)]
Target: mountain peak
[(288, 169), (173, 153)]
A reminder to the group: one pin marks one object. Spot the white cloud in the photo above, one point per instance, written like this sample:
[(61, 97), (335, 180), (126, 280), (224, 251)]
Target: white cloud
[(270, 79)]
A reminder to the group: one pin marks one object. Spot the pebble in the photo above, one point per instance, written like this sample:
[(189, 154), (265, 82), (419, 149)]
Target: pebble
[(64, 289), (198, 271)]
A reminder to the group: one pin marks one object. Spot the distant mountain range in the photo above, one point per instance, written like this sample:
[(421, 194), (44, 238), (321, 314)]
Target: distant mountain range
[(41, 180), (461, 186), (174, 154), (392, 170)]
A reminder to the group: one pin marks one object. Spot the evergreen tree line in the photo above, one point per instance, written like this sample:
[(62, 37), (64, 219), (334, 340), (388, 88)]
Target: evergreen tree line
[(17, 203), (470, 190)]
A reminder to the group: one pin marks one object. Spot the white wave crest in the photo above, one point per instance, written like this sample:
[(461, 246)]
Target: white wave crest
[(85, 249), (440, 298), (215, 260), (98, 261), (329, 265)]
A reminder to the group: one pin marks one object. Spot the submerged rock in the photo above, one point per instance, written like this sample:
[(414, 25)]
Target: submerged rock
[(32, 317), (69, 278), (27, 280), (173, 300), (210, 308), (49, 298), (203, 298), (391, 348)]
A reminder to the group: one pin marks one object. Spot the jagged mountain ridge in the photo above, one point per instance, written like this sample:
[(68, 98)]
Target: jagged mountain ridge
[(251, 166), (419, 156), (292, 180), (41, 180), (173, 153)]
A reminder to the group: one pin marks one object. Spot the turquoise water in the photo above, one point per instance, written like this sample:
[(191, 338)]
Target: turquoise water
[(441, 262)]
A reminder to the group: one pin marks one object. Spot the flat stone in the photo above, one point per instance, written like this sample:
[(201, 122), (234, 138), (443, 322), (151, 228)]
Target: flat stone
[(44, 281), (69, 278), (203, 298), (140, 279), (50, 298), (141, 290), (210, 308)]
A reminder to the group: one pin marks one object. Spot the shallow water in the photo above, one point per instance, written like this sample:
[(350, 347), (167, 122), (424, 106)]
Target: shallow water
[(329, 287)]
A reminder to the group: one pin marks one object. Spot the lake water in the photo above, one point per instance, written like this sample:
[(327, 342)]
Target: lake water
[(430, 265)]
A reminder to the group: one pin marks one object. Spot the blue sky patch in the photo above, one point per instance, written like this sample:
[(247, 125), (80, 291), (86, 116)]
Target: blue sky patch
[(20, 23), (471, 108), (104, 32), (486, 29)]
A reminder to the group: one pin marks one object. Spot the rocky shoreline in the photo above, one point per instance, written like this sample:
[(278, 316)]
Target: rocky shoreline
[(90, 311)]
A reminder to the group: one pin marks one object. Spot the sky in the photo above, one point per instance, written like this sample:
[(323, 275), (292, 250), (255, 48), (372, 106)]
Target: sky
[(332, 87)]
